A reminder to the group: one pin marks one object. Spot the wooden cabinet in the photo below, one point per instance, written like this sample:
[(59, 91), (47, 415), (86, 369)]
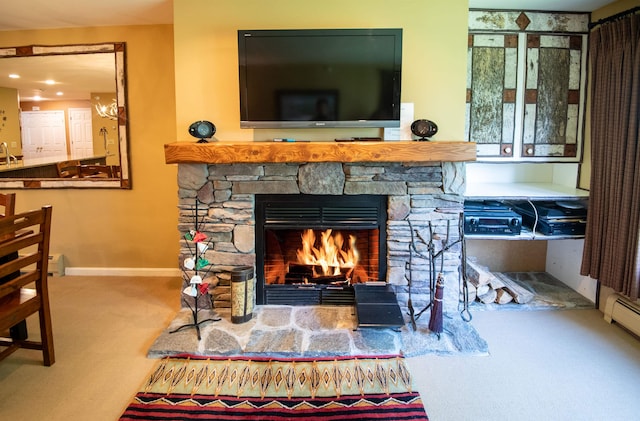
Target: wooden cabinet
[(526, 81)]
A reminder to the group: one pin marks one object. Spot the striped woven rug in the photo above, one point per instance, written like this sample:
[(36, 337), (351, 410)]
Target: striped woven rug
[(254, 388)]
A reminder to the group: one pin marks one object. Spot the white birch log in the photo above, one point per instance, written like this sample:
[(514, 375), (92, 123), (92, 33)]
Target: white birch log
[(477, 274), (503, 296), (488, 297), (520, 295)]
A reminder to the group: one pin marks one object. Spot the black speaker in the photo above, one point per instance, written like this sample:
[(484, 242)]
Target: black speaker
[(424, 129), (202, 130)]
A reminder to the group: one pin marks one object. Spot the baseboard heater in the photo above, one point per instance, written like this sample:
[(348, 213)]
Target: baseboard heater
[(56, 264), (624, 312)]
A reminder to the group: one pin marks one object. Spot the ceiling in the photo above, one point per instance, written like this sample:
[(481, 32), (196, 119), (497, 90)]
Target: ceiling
[(21, 14), (42, 14), (74, 77)]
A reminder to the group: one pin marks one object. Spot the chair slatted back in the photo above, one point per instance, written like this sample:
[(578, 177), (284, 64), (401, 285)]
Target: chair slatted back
[(8, 202), (26, 234), (95, 171), (68, 169)]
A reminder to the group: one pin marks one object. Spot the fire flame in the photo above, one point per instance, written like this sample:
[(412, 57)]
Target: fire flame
[(330, 255)]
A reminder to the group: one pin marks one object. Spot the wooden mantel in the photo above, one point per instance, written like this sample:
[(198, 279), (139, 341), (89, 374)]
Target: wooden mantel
[(225, 152)]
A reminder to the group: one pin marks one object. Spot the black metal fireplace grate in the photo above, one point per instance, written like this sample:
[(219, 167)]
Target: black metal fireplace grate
[(321, 216), (301, 295)]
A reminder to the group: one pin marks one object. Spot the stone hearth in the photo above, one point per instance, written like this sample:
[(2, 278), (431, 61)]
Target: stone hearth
[(418, 193), (311, 331)]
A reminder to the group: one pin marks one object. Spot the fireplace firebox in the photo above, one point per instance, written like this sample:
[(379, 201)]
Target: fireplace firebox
[(312, 249)]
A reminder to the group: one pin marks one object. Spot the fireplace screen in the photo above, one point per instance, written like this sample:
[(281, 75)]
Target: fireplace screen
[(317, 246)]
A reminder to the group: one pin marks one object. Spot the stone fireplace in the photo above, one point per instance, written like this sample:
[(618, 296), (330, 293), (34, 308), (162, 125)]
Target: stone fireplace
[(421, 197)]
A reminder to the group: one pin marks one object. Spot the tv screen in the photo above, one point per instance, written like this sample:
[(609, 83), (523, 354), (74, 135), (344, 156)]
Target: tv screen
[(320, 78)]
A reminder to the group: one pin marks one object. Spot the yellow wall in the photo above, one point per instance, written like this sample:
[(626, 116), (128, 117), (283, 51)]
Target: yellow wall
[(9, 119), (121, 228), (136, 228), (613, 8), (434, 57)]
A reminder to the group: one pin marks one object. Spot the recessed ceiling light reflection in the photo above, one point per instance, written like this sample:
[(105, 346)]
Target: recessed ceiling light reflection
[(50, 82), (14, 76)]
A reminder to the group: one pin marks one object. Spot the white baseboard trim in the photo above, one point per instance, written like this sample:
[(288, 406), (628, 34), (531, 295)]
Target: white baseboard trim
[(80, 271)]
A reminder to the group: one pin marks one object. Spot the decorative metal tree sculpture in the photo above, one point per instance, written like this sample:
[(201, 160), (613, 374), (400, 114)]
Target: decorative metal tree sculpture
[(195, 269)]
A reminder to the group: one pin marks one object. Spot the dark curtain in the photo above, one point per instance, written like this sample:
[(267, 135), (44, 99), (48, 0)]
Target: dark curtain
[(613, 226)]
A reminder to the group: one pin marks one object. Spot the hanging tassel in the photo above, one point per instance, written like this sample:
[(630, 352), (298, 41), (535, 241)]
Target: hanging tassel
[(435, 321)]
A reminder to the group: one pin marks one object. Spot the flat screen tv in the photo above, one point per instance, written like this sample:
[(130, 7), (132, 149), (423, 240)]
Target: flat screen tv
[(320, 78)]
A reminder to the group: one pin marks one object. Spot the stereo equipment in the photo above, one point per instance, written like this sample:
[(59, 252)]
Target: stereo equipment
[(554, 218), (491, 217), (498, 223)]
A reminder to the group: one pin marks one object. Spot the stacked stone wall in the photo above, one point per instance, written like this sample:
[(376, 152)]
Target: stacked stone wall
[(423, 199)]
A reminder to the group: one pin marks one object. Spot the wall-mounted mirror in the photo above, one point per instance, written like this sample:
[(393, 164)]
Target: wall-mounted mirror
[(63, 117)]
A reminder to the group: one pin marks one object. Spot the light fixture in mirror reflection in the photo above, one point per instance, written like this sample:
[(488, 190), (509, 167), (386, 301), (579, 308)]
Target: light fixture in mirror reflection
[(109, 111), (81, 114)]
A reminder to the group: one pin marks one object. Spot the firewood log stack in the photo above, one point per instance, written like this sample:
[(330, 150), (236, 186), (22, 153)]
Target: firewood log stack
[(494, 287)]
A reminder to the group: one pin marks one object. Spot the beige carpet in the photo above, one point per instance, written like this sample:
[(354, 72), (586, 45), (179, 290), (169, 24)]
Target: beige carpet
[(542, 365)]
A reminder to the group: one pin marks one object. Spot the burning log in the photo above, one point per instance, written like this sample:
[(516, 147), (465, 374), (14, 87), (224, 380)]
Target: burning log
[(308, 274), (301, 269), (328, 258)]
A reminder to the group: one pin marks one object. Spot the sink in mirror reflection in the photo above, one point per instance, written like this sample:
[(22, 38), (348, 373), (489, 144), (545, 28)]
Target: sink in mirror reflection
[(62, 103)]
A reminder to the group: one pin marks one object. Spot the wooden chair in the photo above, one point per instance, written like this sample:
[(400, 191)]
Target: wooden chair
[(116, 171), (95, 171), (68, 169), (28, 235), (8, 203)]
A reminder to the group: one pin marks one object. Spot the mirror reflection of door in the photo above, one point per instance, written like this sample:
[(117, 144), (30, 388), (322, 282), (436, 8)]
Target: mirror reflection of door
[(43, 134), (80, 132)]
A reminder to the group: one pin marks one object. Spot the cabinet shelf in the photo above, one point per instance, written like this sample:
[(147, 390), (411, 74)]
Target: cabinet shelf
[(532, 192), (525, 234), (523, 191)]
